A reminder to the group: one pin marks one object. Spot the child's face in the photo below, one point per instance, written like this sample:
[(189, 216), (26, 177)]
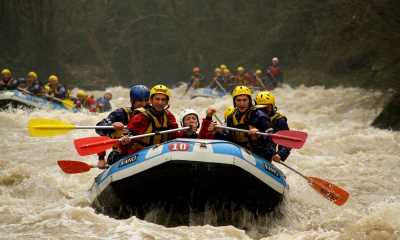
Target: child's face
[(190, 121)]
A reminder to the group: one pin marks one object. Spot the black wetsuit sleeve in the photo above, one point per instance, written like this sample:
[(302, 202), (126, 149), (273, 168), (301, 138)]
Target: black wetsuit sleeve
[(281, 124), (116, 116)]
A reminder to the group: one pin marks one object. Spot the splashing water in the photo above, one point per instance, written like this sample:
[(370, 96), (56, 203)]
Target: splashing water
[(38, 201)]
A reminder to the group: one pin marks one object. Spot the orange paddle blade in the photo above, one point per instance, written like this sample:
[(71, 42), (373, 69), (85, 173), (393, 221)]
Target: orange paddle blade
[(290, 138), (93, 145), (72, 167), (329, 190)]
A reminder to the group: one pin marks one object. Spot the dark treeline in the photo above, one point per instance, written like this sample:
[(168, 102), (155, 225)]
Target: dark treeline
[(93, 44)]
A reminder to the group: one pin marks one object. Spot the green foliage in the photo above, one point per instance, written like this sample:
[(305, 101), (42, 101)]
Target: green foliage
[(95, 44)]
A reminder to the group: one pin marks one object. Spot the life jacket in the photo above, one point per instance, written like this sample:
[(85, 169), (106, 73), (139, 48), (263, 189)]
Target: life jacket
[(154, 126), (91, 104), (129, 113), (276, 117), (274, 70), (243, 123)]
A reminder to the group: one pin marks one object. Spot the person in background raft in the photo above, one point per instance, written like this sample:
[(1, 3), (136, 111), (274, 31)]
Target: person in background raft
[(103, 103), (33, 85), (153, 119), (54, 89), (80, 100), (7, 82), (265, 101), (139, 98), (274, 74), (196, 80)]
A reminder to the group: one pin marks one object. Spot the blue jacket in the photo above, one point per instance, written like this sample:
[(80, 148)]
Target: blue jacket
[(104, 104), (281, 124), (263, 146), (119, 115)]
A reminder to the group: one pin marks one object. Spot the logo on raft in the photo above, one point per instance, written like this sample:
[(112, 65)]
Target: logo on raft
[(271, 169), (128, 160)]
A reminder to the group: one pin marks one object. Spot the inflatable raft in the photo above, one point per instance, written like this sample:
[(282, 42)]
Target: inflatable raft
[(206, 92), (183, 176), (17, 99)]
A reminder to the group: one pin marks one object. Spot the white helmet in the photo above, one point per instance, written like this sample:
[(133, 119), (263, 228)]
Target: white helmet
[(275, 59), (186, 112)]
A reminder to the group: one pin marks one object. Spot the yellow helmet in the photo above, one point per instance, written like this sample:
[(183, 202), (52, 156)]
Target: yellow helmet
[(162, 89), (32, 75), (240, 69), (217, 70), (6, 72), (53, 78), (241, 90), (228, 111), (226, 71), (265, 98), (258, 71), (223, 66), (80, 93)]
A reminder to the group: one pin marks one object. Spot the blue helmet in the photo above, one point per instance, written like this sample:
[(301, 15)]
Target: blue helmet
[(139, 92)]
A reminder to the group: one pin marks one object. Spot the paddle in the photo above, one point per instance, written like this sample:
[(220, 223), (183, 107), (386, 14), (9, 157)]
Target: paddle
[(68, 103), (287, 138), (328, 190), (43, 127), (72, 167), (93, 145), (220, 86)]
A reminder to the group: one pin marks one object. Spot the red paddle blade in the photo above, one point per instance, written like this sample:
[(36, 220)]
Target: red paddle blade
[(290, 138), (72, 167), (329, 190), (93, 145)]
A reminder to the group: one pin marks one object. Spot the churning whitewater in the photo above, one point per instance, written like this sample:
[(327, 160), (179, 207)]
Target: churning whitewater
[(39, 201)]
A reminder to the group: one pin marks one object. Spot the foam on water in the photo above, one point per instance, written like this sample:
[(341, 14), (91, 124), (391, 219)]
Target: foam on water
[(38, 201)]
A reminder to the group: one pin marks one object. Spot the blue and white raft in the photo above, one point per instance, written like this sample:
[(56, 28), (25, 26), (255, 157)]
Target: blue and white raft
[(16, 99), (207, 92), (189, 175)]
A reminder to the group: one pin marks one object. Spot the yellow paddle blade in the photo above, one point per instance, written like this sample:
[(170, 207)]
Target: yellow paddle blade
[(68, 103), (43, 127)]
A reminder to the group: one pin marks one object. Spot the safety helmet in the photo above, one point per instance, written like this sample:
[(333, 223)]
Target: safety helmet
[(187, 112), (53, 78), (258, 71), (32, 75), (240, 69), (139, 92), (226, 71), (275, 59), (263, 98), (81, 93), (228, 111), (217, 70), (223, 66), (162, 89), (6, 72), (196, 69), (241, 90)]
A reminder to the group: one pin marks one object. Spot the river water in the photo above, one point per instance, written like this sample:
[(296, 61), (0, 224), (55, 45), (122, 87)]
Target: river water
[(39, 201)]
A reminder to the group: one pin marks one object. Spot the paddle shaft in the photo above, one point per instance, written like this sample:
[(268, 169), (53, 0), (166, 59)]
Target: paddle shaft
[(259, 133), (133, 137), (72, 127), (220, 86), (294, 170), (218, 119), (157, 133)]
